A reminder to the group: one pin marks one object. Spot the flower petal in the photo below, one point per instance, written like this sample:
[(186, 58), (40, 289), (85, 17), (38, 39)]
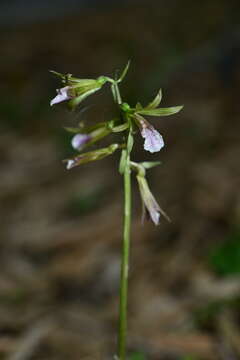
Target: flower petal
[(79, 140), (153, 139), (70, 164), (155, 215), (62, 95)]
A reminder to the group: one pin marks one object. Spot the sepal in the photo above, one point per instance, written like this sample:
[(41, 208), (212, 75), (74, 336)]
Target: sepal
[(124, 73), (120, 128), (161, 111), (154, 104)]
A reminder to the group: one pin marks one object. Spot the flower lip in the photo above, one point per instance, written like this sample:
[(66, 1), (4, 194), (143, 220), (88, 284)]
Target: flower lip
[(63, 94), (79, 140), (153, 139)]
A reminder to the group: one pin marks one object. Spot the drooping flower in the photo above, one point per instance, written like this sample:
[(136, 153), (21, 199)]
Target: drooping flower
[(63, 94), (149, 203), (153, 139)]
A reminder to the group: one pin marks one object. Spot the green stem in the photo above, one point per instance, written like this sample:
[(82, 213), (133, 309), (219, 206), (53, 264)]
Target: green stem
[(122, 332), (122, 335)]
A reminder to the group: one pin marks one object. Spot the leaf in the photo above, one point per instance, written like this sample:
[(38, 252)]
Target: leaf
[(125, 70), (122, 162), (154, 104), (161, 111), (150, 164)]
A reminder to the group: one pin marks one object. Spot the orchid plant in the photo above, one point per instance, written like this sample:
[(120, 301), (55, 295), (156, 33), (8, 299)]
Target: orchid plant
[(74, 91)]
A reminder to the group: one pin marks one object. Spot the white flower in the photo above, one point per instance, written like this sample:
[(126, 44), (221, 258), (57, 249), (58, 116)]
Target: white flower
[(79, 140), (70, 164), (63, 94)]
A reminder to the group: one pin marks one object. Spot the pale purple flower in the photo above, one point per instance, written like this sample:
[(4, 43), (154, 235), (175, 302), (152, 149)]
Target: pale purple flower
[(153, 139), (79, 140), (63, 94)]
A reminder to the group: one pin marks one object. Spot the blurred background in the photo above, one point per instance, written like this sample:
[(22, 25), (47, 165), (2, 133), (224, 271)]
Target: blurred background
[(61, 230)]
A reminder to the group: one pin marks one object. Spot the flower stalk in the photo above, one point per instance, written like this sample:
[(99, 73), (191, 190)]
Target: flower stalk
[(122, 332), (123, 301)]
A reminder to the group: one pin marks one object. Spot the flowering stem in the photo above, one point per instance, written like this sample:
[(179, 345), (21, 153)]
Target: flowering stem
[(122, 335), (122, 331)]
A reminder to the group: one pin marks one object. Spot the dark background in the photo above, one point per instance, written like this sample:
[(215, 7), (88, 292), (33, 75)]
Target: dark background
[(61, 230)]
